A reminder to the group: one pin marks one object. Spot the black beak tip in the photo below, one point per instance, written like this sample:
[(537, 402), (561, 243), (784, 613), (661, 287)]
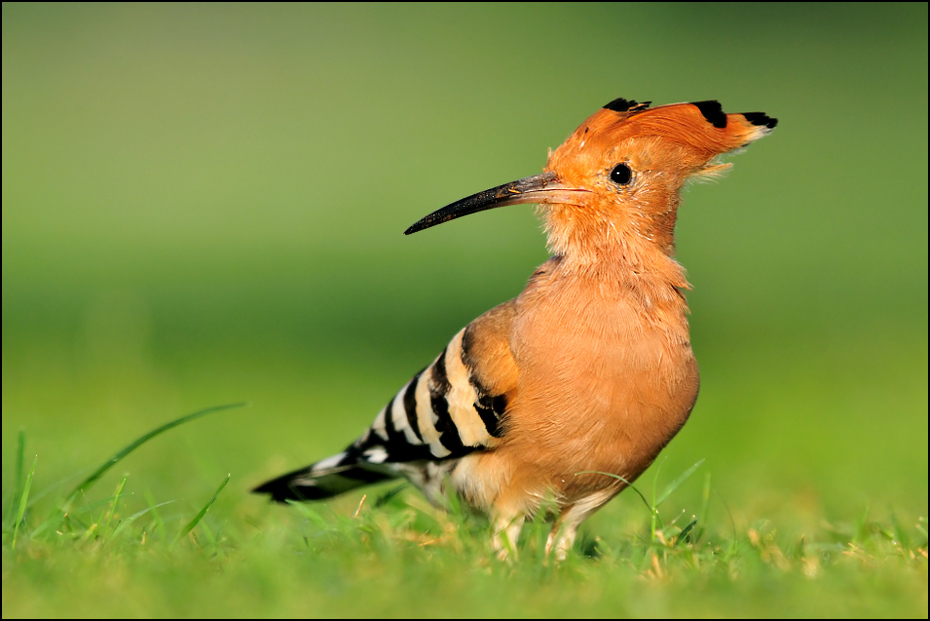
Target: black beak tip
[(415, 227)]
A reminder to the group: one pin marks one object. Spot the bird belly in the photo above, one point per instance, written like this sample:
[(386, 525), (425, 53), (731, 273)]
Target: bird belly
[(594, 408)]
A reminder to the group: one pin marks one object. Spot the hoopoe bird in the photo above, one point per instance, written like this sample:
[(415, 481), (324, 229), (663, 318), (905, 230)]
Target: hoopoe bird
[(545, 400)]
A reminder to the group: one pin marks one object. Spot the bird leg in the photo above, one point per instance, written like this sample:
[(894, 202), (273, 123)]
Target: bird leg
[(506, 533)]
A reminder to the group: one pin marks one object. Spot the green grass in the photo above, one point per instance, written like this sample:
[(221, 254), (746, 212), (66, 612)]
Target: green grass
[(395, 555), (204, 204)]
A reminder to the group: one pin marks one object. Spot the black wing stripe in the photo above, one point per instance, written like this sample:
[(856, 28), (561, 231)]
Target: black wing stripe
[(491, 409), (410, 405), (438, 389), (398, 446)]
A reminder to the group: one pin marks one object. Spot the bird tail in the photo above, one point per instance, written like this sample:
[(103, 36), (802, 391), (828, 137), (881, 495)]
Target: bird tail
[(324, 479)]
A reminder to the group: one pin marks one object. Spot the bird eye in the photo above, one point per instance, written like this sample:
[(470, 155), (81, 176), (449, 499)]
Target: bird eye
[(621, 174)]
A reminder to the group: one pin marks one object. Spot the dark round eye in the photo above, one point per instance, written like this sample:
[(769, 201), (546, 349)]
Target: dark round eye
[(621, 174)]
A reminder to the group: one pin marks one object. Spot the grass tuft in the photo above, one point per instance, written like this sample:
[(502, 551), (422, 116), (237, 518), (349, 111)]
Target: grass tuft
[(193, 523), (657, 528), (23, 495), (129, 448)]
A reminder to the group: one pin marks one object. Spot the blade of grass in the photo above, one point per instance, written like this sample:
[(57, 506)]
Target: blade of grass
[(683, 535), (135, 516), (702, 513), (23, 499), (112, 510), (655, 479), (158, 522), (137, 443), (77, 518), (190, 526), (20, 461), (18, 487), (671, 487), (311, 514), (628, 484), (861, 533), (389, 495)]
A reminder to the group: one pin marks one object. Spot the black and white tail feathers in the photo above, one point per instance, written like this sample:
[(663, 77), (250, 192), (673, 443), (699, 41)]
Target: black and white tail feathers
[(440, 415), (317, 482)]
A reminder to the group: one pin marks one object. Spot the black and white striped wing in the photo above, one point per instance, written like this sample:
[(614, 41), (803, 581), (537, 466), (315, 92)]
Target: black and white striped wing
[(454, 406)]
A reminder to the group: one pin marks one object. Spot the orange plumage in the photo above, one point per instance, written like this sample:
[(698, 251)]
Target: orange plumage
[(589, 371)]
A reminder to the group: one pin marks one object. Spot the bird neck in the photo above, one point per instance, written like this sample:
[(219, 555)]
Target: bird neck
[(639, 256), (650, 287), (601, 233)]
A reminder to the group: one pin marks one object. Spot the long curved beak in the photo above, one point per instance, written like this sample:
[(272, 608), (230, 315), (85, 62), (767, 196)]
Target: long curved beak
[(543, 188)]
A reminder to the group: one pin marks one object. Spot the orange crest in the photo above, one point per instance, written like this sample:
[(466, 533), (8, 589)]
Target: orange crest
[(703, 127)]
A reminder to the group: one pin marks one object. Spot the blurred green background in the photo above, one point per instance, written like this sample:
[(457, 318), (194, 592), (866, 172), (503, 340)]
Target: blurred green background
[(204, 204)]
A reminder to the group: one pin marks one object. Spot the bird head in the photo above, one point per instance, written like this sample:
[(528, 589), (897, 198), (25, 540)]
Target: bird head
[(615, 183)]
